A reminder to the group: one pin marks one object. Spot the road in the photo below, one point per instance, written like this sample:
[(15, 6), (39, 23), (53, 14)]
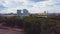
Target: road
[(6, 31)]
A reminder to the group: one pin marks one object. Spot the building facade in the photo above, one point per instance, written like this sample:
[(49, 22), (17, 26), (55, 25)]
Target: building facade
[(25, 12), (19, 12)]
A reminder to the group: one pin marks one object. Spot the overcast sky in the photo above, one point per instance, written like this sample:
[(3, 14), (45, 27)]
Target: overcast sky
[(34, 6)]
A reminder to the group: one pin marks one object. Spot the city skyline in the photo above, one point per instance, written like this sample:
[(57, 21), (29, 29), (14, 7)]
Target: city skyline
[(33, 6)]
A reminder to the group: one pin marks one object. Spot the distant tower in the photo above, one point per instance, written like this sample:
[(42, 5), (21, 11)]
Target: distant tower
[(45, 13), (19, 12), (25, 12)]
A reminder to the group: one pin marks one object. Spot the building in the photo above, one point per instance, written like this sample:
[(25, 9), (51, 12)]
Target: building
[(45, 12), (19, 12), (25, 12), (8, 14)]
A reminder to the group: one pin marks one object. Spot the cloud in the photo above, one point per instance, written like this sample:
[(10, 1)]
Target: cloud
[(57, 3), (2, 7), (37, 0), (9, 10), (34, 6)]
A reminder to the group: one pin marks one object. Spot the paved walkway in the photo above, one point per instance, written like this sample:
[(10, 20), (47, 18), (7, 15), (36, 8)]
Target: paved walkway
[(7, 30), (3, 31)]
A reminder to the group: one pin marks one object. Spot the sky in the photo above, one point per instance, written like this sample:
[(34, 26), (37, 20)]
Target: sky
[(33, 6)]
